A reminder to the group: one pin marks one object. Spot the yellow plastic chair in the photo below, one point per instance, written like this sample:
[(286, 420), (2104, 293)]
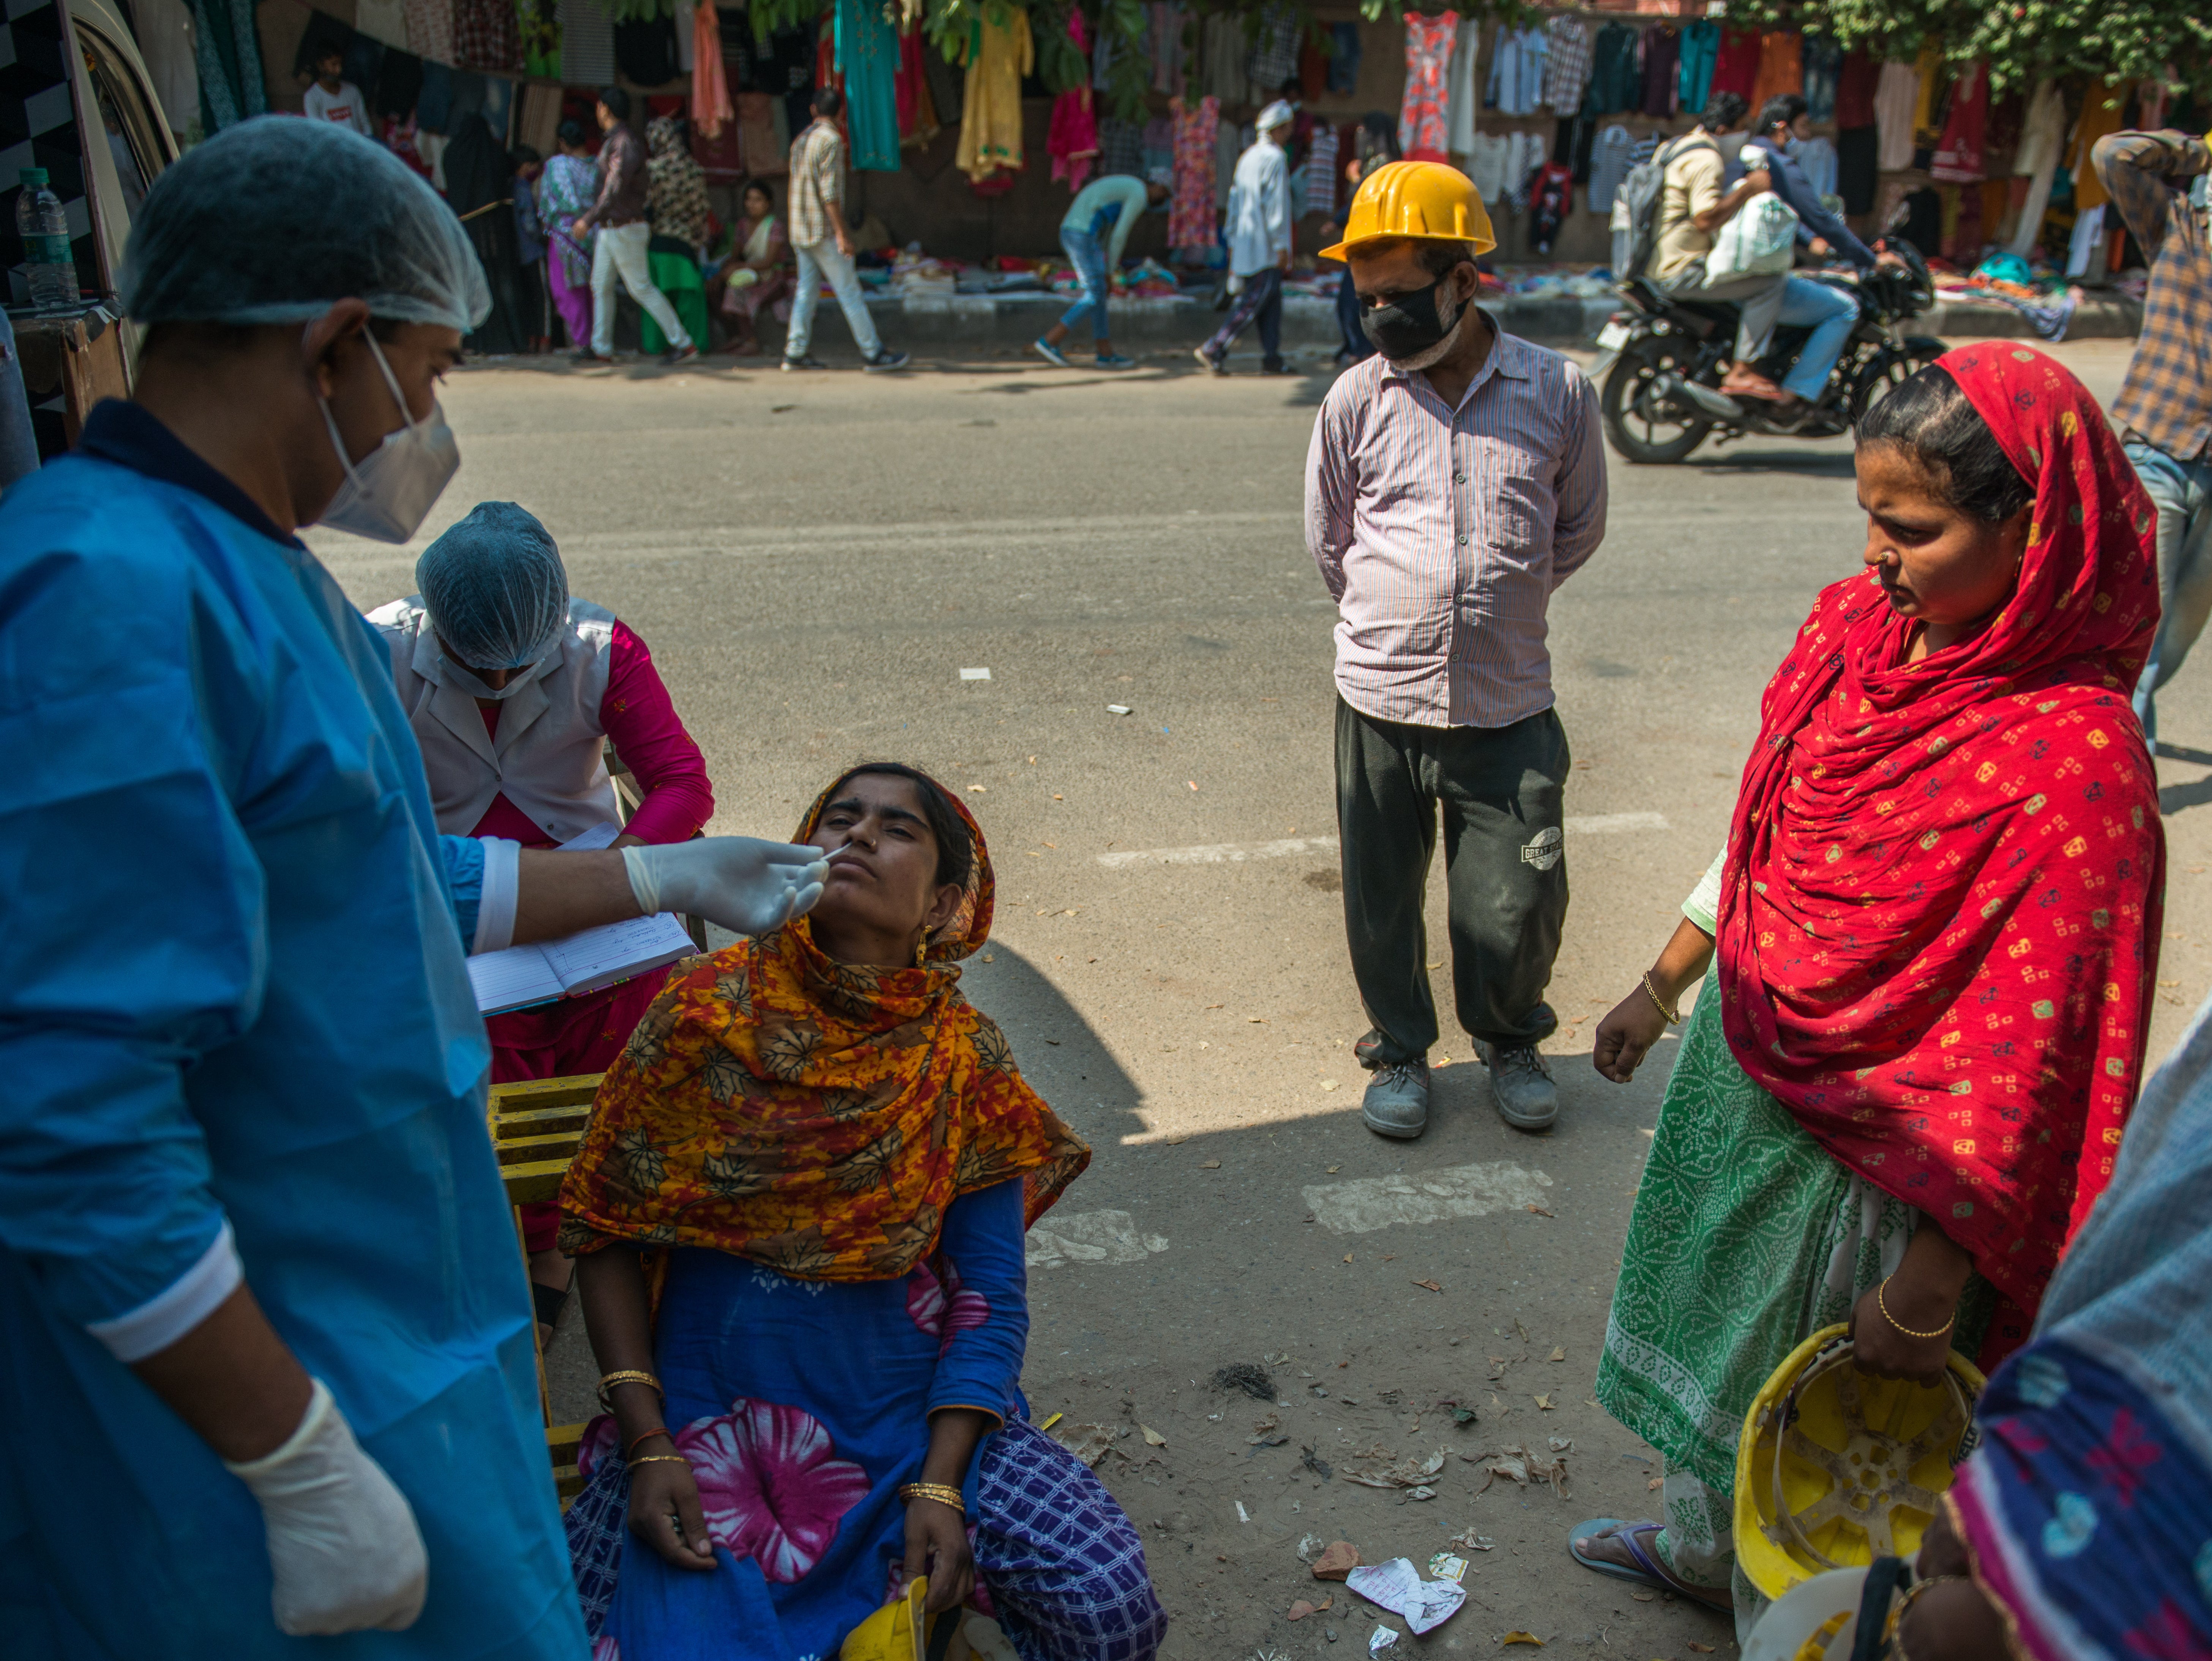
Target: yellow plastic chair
[(1837, 1467)]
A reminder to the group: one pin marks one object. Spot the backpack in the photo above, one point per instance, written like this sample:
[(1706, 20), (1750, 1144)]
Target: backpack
[(1636, 207)]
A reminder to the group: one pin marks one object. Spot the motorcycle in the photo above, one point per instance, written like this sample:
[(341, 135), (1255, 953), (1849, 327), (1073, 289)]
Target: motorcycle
[(1661, 363)]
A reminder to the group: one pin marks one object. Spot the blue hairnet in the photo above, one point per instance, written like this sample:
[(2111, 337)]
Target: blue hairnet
[(495, 587), (273, 219)]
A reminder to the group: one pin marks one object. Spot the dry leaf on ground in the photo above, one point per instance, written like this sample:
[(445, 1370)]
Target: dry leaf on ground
[(1152, 1436), (1521, 1638)]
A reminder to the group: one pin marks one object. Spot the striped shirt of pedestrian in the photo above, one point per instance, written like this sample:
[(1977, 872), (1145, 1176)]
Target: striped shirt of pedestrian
[(1442, 532), (2166, 399), (818, 185)]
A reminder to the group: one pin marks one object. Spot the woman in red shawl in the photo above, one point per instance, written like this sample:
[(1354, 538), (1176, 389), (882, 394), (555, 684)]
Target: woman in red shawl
[(1932, 937)]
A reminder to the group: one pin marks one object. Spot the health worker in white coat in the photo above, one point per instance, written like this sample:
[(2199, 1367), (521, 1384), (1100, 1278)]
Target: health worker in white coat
[(267, 1344)]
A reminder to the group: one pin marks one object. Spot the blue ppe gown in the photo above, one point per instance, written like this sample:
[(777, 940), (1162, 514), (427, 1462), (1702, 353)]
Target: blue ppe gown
[(233, 989)]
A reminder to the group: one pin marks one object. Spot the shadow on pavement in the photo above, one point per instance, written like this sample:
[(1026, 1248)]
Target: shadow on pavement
[(1813, 463)]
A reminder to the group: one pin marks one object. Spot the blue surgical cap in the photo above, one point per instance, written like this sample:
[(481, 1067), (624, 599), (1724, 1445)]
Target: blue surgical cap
[(273, 219), (495, 587)]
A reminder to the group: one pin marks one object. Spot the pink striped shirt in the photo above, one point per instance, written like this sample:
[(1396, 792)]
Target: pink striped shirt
[(1441, 533)]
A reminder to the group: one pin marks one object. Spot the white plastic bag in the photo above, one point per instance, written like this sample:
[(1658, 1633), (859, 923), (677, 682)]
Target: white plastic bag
[(1761, 238)]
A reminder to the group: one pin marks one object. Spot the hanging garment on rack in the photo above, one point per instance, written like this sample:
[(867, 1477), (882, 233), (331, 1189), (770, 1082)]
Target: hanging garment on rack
[(1190, 210), (1959, 156), (1421, 129), (998, 52), (1855, 88), (1551, 199), (1735, 66), (1522, 161), (1485, 165), (1222, 57), (1517, 63), (1274, 59), (488, 35), (1857, 150), (1824, 63), (1322, 174), (430, 29), (1343, 61), (1781, 68), (1609, 164), (1166, 50), (2100, 115), (1567, 64), (1896, 96), (1662, 53), (1617, 77), (1700, 48), (1071, 137), (1462, 102), (867, 49)]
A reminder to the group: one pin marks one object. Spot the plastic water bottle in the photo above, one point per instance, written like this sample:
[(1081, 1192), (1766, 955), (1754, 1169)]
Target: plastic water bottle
[(44, 228)]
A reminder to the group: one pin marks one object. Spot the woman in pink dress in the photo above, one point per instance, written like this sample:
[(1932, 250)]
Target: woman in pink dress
[(513, 690)]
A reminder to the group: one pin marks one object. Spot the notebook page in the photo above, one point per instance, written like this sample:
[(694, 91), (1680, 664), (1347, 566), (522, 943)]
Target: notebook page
[(512, 979), (616, 951)]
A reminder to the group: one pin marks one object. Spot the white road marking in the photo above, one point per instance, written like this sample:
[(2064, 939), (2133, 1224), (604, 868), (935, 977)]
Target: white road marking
[(974, 674), (1089, 1237), (1219, 853), (1231, 853), (1463, 1191)]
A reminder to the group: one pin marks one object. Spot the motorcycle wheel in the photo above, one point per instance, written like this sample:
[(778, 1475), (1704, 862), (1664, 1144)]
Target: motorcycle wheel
[(1884, 373), (1631, 427)]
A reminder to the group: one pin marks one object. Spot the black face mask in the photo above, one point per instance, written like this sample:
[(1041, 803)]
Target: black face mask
[(1407, 325)]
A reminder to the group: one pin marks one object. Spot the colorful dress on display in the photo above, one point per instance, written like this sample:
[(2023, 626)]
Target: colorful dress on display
[(1422, 119), (834, 1167), (998, 52), (1190, 210), (1936, 924), (1071, 139), (867, 49)]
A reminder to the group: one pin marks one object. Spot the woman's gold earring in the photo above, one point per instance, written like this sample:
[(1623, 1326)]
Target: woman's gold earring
[(921, 950)]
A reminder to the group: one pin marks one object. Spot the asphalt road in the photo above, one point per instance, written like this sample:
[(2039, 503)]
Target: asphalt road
[(816, 561)]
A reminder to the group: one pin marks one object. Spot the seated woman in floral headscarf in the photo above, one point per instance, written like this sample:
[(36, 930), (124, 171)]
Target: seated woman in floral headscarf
[(820, 1159)]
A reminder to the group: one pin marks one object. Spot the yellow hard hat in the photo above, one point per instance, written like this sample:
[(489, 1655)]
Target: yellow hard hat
[(1837, 1467), (1419, 202), (894, 1632)]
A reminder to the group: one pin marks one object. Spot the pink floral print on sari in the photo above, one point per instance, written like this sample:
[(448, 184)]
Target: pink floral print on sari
[(771, 1485), (600, 1437), (605, 1648), (942, 1309)]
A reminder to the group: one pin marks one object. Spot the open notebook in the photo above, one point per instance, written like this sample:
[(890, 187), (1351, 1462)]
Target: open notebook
[(523, 975)]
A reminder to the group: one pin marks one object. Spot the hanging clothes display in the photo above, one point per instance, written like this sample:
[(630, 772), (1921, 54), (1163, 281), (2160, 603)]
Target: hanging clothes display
[(1927, 126), (1462, 104), (645, 49), (540, 21), (2100, 115), (488, 35), (587, 42), (2042, 135), (1071, 137), (1222, 60), (759, 144), (867, 50), (1735, 66), (1616, 86), (1662, 52), (430, 29), (1856, 82), (1700, 49), (1824, 64), (1897, 94), (998, 52), (1323, 175), (1190, 209), (382, 20), (1609, 164), (711, 109), (1485, 165), (1781, 68), (1167, 48), (1959, 155), (1343, 61), (1551, 199), (2088, 241), (227, 50), (1857, 151), (918, 122), (1274, 60), (1522, 159), (1421, 131), (1518, 65), (1566, 63)]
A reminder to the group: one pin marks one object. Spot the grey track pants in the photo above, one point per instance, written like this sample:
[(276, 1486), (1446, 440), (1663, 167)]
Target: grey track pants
[(1505, 874)]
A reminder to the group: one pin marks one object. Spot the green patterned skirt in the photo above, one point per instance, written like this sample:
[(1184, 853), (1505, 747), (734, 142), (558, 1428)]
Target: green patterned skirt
[(1746, 1238)]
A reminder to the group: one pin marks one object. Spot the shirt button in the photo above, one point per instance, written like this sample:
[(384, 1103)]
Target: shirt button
[(1459, 478), (1462, 541)]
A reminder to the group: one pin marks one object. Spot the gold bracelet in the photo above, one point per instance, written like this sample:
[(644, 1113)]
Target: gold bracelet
[(629, 1376), (937, 1491), (1674, 1016), (1881, 1303), (659, 1458)]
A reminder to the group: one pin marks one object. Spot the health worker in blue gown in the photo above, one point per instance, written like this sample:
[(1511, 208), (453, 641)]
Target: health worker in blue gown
[(265, 1359)]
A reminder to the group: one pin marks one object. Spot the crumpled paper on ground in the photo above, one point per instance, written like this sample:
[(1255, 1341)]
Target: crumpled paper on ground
[(1397, 1586)]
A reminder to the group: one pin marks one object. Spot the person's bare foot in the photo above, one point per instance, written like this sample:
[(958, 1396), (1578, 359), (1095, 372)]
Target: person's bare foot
[(1744, 383)]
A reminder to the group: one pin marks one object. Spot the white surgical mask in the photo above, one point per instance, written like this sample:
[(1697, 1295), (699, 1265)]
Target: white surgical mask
[(388, 493)]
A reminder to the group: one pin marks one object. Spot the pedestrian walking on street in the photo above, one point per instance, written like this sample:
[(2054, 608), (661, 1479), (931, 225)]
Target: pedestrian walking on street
[(1932, 937), (1259, 221), (824, 247), (624, 237), (2157, 182), (569, 184), (1455, 479), (1093, 236)]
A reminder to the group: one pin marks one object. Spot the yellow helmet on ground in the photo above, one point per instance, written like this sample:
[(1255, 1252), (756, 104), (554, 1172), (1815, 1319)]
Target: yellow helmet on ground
[(1418, 201), (1837, 1467)]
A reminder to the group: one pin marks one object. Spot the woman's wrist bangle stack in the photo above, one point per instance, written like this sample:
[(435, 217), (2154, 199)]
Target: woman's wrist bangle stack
[(944, 1494), (631, 1375), (1674, 1016), (659, 1460), (1881, 1302)]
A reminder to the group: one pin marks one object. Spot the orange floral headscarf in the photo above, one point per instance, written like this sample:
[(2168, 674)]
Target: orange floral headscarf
[(814, 1116)]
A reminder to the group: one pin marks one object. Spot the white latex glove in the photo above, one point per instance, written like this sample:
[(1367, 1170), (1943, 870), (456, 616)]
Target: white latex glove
[(740, 881), (343, 1541)]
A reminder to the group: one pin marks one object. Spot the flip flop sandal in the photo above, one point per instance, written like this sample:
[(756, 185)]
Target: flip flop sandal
[(1648, 1571)]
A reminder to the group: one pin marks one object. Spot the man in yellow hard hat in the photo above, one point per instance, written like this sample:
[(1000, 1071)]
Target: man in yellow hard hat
[(1455, 479)]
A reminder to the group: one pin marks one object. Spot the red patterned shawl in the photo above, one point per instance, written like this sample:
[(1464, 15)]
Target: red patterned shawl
[(1939, 922)]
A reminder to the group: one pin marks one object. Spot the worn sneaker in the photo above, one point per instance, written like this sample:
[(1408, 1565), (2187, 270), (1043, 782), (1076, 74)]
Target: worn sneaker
[(1115, 361), (886, 360), (1521, 1084), (680, 355), (792, 366), (1051, 354), (1215, 365), (1397, 1100)]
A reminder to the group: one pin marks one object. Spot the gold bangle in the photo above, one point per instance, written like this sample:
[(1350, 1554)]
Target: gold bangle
[(1674, 1016), (629, 1376), (938, 1491), (1881, 1302), (659, 1460)]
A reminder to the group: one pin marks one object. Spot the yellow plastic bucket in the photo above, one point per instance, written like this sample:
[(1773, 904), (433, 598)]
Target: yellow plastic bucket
[(1836, 1468)]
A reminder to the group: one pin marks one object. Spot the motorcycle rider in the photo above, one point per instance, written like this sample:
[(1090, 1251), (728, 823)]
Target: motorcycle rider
[(1692, 206)]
